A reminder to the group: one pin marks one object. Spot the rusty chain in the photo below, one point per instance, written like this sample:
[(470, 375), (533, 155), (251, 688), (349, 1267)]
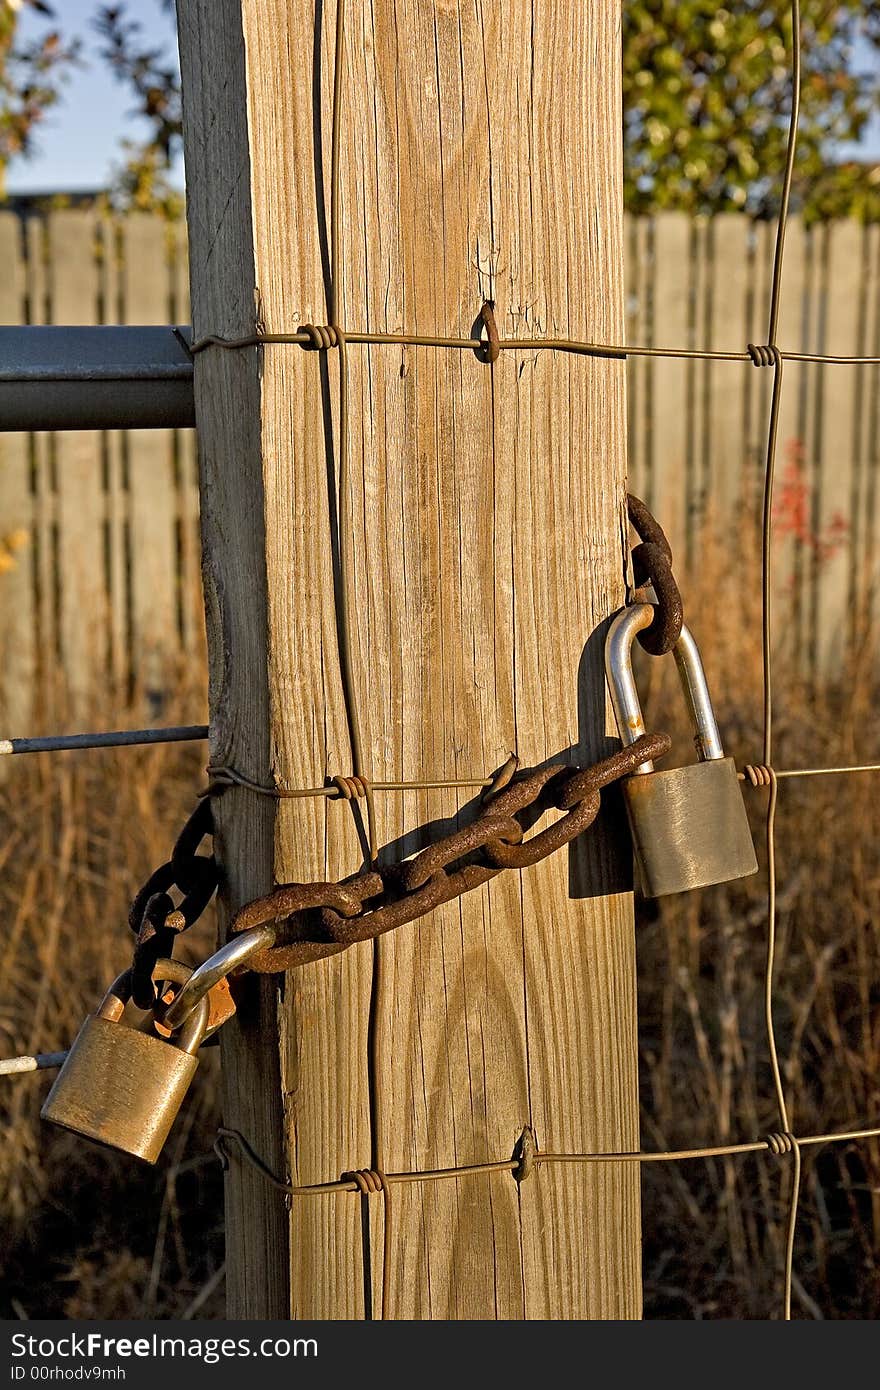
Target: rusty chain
[(315, 920), (652, 563)]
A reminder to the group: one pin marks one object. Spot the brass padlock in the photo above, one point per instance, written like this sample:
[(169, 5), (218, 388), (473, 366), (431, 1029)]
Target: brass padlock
[(689, 824), (123, 1085)]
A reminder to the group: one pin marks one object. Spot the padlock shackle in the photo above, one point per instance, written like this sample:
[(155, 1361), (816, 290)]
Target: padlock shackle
[(707, 739), (193, 1034), (234, 954), (625, 696), (619, 673)]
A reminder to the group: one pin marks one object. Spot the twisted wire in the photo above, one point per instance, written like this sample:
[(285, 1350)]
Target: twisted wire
[(777, 1144), (302, 337), (369, 1182)]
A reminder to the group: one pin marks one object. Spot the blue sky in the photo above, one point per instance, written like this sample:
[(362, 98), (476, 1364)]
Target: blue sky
[(78, 145)]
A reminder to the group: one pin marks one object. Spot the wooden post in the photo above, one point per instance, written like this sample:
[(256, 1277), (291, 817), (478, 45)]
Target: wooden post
[(479, 158)]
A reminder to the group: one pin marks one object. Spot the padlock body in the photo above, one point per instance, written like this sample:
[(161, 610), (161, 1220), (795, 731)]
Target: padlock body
[(120, 1087), (689, 827)]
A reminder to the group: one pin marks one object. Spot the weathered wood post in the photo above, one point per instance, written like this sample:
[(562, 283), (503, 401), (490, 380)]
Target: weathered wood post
[(479, 158)]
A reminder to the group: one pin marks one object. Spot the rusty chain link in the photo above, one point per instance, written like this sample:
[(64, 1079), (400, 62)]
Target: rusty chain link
[(652, 563), (315, 920), (321, 919)]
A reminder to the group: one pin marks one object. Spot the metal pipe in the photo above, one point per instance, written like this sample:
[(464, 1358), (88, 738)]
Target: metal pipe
[(104, 378), (122, 738)]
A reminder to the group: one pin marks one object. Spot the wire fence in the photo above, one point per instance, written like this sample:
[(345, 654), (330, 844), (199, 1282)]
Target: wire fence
[(782, 1143), (769, 355)]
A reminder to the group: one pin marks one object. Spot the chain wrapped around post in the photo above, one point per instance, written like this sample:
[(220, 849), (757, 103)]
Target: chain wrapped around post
[(310, 921)]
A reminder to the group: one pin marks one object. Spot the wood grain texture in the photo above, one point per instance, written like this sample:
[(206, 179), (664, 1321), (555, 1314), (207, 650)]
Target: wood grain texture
[(480, 157), (228, 409), (797, 331), (728, 329)]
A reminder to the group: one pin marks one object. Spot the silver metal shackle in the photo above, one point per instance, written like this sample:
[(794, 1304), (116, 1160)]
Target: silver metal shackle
[(190, 1038), (237, 951), (624, 692)]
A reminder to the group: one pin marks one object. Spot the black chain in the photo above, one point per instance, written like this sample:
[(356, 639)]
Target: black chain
[(155, 918)]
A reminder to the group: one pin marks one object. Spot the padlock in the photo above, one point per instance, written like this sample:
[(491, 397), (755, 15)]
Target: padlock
[(689, 824), (121, 1085)]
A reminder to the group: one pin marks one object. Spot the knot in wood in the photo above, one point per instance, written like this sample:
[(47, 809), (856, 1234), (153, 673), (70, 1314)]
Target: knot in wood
[(526, 1155)]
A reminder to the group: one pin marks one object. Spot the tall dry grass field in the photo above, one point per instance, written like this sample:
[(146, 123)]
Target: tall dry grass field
[(715, 1231), (88, 1233)]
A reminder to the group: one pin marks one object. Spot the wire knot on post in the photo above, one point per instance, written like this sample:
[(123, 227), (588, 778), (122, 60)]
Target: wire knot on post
[(319, 336), (352, 788), (368, 1181)]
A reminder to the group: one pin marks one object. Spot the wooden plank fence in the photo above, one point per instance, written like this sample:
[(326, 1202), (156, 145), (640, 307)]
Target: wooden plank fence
[(99, 548), (697, 429), (100, 599)]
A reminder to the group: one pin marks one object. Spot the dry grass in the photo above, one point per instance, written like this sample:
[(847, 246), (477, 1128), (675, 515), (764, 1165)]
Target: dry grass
[(91, 1234), (714, 1231)]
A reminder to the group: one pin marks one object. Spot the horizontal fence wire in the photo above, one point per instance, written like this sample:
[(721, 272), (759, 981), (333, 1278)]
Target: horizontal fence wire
[(574, 346), (774, 1144), (119, 738)]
